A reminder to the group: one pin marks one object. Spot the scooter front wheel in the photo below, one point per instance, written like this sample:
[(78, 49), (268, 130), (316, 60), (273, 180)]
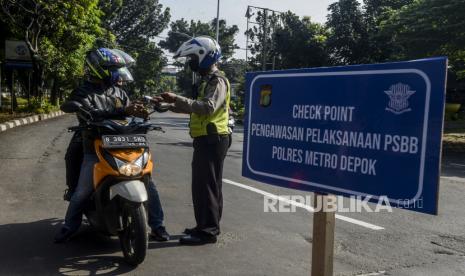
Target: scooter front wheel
[(133, 237)]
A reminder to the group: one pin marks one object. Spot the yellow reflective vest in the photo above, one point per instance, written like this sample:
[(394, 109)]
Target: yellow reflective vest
[(198, 123)]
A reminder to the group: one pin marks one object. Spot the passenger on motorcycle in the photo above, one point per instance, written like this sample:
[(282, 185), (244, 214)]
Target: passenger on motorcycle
[(102, 97)]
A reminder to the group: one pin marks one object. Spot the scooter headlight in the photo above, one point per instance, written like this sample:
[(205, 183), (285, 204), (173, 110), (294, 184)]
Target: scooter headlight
[(142, 160), (129, 169)]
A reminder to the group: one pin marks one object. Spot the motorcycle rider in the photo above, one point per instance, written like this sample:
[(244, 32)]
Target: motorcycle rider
[(209, 128), (74, 153), (103, 99)]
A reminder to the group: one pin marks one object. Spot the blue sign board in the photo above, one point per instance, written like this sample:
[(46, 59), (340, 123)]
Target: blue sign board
[(371, 130)]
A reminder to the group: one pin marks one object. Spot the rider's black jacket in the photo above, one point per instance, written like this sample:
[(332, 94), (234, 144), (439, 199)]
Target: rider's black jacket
[(101, 102)]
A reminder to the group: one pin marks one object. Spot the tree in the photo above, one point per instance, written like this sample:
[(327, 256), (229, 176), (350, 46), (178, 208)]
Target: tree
[(260, 37), (167, 83), (430, 28), (306, 50), (381, 46), (26, 20), (148, 70), (63, 59), (132, 20), (308, 47), (134, 24), (44, 25), (181, 31), (348, 39), (234, 69)]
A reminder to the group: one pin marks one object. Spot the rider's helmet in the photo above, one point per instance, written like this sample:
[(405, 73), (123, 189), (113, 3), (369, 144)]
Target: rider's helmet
[(202, 52), (109, 65)]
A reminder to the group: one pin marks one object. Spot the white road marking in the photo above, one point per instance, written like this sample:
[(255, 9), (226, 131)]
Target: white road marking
[(453, 178), (374, 273), (457, 165), (171, 124), (303, 206)]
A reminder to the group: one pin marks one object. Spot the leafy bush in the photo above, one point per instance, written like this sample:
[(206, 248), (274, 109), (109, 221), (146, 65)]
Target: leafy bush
[(36, 106)]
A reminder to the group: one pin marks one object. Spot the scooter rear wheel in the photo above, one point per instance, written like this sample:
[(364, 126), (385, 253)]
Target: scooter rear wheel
[(133, 238)]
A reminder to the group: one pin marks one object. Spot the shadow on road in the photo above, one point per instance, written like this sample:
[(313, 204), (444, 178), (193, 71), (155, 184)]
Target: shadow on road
[(28, 248), (177, 144), (453, 164)]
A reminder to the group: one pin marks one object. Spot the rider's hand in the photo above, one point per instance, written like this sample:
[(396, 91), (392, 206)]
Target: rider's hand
[(137, 110), (169, 97)]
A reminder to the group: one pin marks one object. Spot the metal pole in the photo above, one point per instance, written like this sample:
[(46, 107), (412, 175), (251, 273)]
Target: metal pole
[(265, 13), (247, 46), (218, 22)]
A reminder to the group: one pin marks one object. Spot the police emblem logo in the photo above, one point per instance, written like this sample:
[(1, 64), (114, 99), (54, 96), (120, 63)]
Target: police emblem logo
[(265, 95), (399, 95)]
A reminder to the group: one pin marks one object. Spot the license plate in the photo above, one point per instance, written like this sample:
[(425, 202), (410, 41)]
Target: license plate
[(124, 141)]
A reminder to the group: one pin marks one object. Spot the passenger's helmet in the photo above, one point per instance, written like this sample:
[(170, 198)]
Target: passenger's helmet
[(205, 49), (121, 75), (109, 65)]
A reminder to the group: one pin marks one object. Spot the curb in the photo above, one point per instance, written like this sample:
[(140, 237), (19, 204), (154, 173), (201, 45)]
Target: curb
[(29, 120)]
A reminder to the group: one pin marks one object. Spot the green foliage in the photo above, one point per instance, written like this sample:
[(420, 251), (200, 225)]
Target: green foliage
[(167, 83), (430, 28), (36, 105), (261, 38), (58, 34), (76, 26), (133, 20), (147, 72), (308, 43), (234, 69), (134, 24), (348, 37), (181, 31)]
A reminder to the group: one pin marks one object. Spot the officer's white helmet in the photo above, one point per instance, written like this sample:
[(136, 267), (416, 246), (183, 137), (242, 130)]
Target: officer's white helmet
[(205, 48)]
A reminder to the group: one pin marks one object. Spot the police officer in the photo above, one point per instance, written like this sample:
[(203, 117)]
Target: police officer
[(209, 112)]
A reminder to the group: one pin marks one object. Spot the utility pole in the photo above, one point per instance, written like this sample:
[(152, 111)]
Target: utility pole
[(247, 39), (265, 29), (264, 40), (218, 22)]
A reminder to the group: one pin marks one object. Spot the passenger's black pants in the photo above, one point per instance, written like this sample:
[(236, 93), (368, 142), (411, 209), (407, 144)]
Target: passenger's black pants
[(207, 176), (73, 159)]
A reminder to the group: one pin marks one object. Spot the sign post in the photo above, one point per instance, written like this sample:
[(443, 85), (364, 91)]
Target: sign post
[(369, 132), (323, 236)]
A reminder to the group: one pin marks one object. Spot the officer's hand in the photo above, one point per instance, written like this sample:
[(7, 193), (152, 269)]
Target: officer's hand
[(156, 100), (169, 97)]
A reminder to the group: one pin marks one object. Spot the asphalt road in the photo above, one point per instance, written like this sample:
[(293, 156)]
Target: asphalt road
[(252, 242)]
